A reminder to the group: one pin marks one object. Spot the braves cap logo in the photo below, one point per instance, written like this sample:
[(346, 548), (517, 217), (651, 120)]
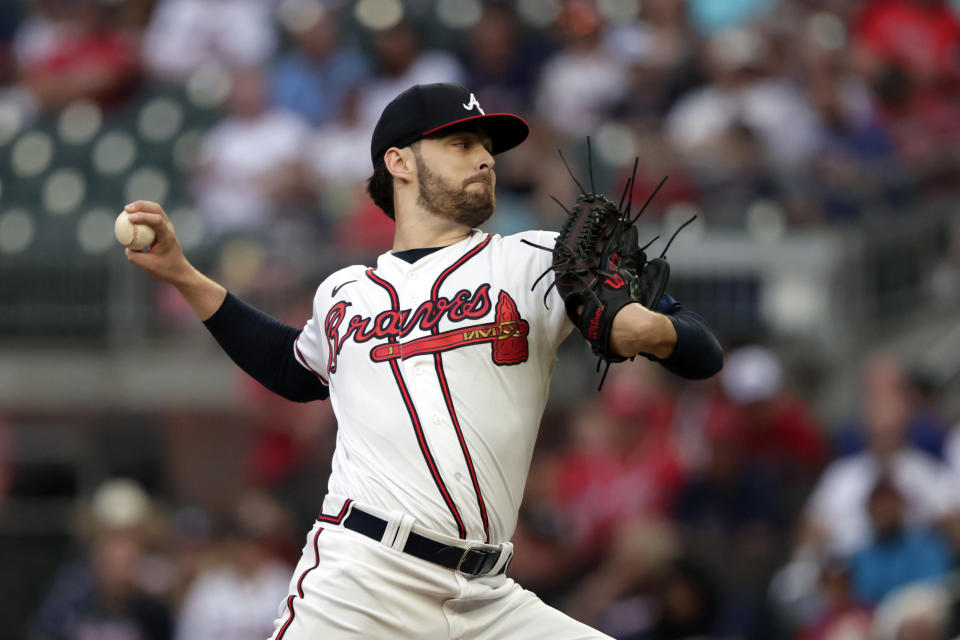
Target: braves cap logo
[(474, 103)]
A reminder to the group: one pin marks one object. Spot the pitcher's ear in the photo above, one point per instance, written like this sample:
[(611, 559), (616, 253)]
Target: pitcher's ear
[(401, 163)]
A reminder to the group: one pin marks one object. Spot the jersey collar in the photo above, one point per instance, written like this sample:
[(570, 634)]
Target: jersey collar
[(388, 262)]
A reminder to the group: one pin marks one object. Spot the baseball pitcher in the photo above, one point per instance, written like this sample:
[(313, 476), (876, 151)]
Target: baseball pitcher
[(437, 360)]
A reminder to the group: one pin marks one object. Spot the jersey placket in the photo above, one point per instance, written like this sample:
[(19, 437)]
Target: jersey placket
[(445, 387), (419, 391)]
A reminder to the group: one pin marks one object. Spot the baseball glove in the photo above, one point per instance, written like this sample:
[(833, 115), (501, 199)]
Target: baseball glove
[(600, 267)]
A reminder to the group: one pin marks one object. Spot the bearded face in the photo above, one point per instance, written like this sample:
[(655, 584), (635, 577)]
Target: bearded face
[(455, 201)]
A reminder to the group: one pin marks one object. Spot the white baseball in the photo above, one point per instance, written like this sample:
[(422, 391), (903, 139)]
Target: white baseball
[(132, 236)]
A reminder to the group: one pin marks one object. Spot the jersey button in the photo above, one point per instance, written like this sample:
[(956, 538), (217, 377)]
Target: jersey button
[(437, 418), (411, 276)]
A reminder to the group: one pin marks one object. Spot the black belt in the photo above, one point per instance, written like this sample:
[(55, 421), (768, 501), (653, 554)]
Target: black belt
[(474, 561)]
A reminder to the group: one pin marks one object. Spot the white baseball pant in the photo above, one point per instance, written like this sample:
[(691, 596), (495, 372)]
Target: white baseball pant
[(347, 585)]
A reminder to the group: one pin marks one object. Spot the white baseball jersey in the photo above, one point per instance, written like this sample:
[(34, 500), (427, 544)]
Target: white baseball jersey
[(439, 373)]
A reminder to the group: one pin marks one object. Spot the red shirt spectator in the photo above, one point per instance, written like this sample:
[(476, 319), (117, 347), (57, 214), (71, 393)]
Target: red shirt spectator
[(95, 63), (776, 428), (920, 36), (629, 469), (782, 432)]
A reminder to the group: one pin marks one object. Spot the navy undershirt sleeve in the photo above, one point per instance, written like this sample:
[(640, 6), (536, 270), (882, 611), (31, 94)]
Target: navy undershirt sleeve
[(262, 346), (698, 354)]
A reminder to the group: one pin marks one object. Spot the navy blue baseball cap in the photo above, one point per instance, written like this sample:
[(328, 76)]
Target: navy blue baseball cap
[(424, 109)]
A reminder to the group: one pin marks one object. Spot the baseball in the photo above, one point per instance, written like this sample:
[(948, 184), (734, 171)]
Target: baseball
[(132, 236)]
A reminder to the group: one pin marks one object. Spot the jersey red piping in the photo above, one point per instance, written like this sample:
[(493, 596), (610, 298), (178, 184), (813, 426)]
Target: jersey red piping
[(303, 361), (445, 389), (337, 518)]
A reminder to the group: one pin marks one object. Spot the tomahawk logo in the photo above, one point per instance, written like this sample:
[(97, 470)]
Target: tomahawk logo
[(474, 103)]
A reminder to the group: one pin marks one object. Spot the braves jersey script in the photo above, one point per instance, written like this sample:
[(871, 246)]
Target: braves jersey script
[(439, 373)]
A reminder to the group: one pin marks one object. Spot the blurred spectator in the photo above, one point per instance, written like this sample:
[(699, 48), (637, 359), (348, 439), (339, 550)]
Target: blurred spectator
[(675, 44), (908, 49), (337, 153), (837, 511), (78, 55), (647, 92), (731, 495), (613, 488), (544, 561), (657, 159), (401, 63), (291, 444), (185, 34), (641, 553), (918, 36), (896, 556), (924, 127), (581, 83), (742, 110), (883, 375), (777, 430), (621, 464), (836, 519), (501, 65), (336, 165), (45, 24), (926, 415), (856, 165), (686, 599), (843, 615), (744, 178), (731, 521), (239, 598), (364, 230), (318, 76), (243, 158), (102, 595), (192, 546)]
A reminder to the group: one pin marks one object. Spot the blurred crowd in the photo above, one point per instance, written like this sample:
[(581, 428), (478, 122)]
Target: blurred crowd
[(726, 510), (251, 119), (817, 110), (656, 509)]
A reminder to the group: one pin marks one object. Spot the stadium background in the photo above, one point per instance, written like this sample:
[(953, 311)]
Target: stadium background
[(816, 139)]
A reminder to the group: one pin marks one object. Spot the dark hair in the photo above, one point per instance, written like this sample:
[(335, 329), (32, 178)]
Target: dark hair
[(380, 185), (380, 188)]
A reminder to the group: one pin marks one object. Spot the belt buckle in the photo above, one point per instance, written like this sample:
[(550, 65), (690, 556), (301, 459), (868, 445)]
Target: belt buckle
[(487, 559)]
